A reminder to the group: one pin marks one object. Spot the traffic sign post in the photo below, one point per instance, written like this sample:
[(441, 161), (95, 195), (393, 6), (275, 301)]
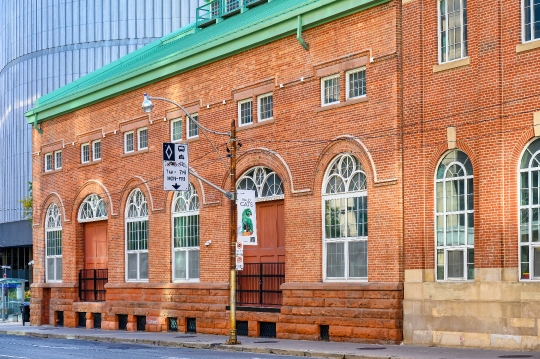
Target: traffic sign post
[(175, 167)]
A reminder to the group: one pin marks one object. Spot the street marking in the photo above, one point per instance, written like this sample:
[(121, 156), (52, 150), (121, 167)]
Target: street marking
[(53, 347), (10, 356)]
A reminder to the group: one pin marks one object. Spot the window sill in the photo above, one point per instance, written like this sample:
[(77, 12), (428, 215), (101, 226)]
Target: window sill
[(255, 124), (342, 104), (452, 65), (134, 153), (89, 163), (531, 45), (51, 172)]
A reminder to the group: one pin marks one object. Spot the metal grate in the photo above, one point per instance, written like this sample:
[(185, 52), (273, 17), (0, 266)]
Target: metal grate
[(97, 320), (191, 325), (122, 321), (82, 319), (92, 284), (59, 319), (324, 332), (242, 328), (173, 325), (141, 323), (268, 330), (259, 284)]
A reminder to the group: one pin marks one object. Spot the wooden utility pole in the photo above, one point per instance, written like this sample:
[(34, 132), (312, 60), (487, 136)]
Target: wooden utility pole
[(232, 281)]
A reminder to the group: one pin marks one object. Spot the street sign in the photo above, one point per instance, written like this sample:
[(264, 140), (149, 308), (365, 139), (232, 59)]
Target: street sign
[(247, 219), (175, 167), (239, 256)]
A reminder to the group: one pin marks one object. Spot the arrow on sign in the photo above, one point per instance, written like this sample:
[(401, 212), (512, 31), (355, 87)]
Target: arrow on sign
[(176, 186)]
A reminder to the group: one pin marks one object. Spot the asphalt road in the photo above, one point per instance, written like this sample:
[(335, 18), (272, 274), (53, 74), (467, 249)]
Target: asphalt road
[(14, 347)]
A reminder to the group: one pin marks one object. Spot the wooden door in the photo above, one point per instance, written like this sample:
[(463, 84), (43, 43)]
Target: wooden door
[(95, 245), (270, 233)]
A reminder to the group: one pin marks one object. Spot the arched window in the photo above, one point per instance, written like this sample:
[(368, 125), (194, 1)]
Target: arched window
[(454, 216), (345, 220), (186, 235), (529, 208), (92, 209), (53, 250), (137, 237), (265, 182)]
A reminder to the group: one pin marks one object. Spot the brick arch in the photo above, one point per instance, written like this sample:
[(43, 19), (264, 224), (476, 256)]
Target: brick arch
[(88, 188), (439, 153), (526, 138), (52, 197), (132, 184), (198, 187)]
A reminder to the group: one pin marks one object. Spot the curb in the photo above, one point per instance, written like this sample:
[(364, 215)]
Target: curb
[(191, 345)]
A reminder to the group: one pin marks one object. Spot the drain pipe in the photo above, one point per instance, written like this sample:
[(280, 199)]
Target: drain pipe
[(299, 34)]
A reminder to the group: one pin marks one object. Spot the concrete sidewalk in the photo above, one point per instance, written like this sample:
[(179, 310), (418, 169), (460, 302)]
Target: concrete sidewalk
[(263, 345)]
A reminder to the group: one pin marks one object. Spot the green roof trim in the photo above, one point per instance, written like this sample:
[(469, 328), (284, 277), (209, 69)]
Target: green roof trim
[(189, 48)]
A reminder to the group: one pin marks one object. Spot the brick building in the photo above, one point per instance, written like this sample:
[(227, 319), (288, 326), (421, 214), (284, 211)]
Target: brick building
[(471, 102), (315, 90)]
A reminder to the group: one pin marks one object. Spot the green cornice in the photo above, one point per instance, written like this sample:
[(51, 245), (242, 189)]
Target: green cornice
[(162, 59)]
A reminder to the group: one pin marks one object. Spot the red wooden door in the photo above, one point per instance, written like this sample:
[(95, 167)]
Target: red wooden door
[(95, 245), (271, 235)]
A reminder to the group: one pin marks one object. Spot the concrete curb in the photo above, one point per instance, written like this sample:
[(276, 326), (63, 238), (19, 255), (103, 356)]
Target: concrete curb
[(191, 345)]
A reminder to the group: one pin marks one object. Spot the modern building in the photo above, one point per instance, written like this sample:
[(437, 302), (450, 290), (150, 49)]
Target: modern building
[(44, 45), (314, 89)]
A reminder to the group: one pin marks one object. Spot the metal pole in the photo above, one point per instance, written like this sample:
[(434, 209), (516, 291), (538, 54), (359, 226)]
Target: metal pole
[(3, 303), (232, 280)]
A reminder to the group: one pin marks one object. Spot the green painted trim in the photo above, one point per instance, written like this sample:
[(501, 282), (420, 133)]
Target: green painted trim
[(286, 24), (299, 34)]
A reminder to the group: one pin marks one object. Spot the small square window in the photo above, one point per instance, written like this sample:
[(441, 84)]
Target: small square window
[(85, 153), (193, 129), (330, 90), (356, 83), (129, 145), (245, 116), (57, 160), (176, 129), (265, 106), (48, 162), (142, 138), (96, 150)]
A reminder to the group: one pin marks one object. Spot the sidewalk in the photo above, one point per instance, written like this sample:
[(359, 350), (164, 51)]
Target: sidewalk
[(263, 345)]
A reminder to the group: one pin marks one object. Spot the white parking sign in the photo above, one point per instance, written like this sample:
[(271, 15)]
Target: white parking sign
[(175, 167)]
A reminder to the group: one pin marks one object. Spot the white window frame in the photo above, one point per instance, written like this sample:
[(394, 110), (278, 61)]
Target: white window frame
[(240, 103), (173, 122), (57, 165), (189, 122), (439, 37), (259, 107), (348, 82), (323, 89), (139, 146), (128, 220), (48, 165), (94, 143), (346, 240), (531, 25), (48, 229), (87, 145), (126, 134), (175, 215)]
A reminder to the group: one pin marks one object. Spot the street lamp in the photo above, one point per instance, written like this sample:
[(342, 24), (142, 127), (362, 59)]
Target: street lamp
[(147, 107)]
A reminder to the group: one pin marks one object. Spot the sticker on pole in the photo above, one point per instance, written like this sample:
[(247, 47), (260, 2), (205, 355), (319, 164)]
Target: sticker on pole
[(175, 167), (247, 219), (239, 256)]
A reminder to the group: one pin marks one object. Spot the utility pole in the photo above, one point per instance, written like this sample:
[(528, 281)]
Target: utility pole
[(232, 280)]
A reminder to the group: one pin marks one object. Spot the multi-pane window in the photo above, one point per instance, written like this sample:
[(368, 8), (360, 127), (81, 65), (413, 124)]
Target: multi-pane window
[(245, 116), (48, 162), (454, 217), (176, 129), (129, 143), (356, 83), (193, 129), (186, 235), (330, 90), (96, 150), (57, 160), (452, 30), (142, 138), (266, 106), (529, 209), (345, 220), (265, 182), (93, 208), (53, 244), (85, 153), (137, 237), (531, 20)]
